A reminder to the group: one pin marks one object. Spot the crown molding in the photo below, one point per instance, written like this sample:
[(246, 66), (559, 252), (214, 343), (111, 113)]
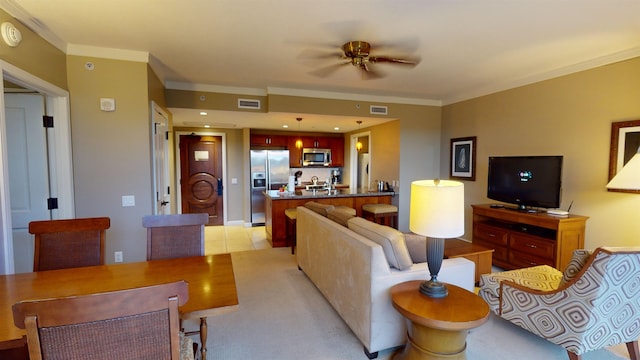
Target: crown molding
[(352, 96), (108, 53), (176, 85)]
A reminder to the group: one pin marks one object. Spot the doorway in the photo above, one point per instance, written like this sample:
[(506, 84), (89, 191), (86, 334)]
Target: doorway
[(56, 104), (201, 173), (360, 174), (160, 161)]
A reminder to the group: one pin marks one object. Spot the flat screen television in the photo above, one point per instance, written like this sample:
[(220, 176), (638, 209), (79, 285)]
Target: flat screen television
[(527, 181)]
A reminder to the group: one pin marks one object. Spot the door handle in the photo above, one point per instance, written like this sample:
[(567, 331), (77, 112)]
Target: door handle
[(163, 203)]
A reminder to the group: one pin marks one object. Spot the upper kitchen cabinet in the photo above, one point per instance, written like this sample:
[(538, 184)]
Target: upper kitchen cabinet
[(266, 140), (318, 142), (336, 144), (295, 154)]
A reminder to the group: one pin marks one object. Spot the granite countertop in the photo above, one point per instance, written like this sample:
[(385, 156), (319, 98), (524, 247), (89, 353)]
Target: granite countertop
[(305, 194)]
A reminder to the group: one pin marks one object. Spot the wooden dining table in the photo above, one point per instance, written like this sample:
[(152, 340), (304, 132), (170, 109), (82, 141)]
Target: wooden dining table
[(212, 288)]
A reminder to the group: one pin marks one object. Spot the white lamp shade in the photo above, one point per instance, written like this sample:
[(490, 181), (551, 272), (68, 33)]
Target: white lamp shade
[(437, 208), (629, 177)]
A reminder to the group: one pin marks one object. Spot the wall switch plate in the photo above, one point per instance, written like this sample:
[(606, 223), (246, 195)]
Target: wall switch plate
[(234, 181), (117, 256), (128, 200), (108, 104)]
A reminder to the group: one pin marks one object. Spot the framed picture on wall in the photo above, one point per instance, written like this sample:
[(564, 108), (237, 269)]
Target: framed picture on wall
[(463, 158), (625, 142)]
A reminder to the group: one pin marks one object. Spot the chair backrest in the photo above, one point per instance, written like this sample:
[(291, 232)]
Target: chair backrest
[(61, 244), (132, 324), (175, 236), (606, 289)]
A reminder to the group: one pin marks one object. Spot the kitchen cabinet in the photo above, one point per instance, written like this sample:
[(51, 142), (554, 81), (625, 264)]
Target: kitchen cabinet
[(266, 141), (276, 220), (295, 154), (317, 142), (336, 144)]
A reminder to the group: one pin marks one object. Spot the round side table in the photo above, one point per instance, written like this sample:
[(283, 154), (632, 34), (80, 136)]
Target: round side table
[(438, 326)]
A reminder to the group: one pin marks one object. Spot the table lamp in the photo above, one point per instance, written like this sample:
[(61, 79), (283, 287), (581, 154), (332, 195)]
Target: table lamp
[(629, 177), (437, 212)]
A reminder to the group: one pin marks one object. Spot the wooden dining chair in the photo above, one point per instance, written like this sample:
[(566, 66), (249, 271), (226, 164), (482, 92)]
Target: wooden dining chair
[(133, 324), (61, 244), (175, 236)]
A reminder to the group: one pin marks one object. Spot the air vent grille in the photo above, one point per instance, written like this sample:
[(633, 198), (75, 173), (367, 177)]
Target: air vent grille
[(249, 104), (378, 110)]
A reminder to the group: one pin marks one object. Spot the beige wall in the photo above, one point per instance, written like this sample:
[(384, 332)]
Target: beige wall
[(570, 116), (419, 152), (111, 150)]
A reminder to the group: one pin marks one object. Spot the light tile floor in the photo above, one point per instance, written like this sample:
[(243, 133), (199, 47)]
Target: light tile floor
[(226, 239)]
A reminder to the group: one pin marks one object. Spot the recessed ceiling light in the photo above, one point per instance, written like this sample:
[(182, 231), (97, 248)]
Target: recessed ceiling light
[(203, 113), (285, 126), (336, 128), (207, 126)]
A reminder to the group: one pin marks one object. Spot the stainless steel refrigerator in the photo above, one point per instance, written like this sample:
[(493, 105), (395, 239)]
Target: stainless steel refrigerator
[(269, 171)]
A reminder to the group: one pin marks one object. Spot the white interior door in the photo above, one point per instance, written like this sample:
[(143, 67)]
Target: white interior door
[(28, 171), (160, 128)]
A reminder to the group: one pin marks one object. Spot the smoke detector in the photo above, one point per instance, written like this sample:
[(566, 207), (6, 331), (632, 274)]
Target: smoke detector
[(10, 34)]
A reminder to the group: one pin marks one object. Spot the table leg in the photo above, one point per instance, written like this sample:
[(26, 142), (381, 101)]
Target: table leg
[(203, 337), (426, 343)]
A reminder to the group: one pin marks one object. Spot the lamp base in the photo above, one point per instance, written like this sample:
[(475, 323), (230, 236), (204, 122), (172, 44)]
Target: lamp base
[(433, 289)]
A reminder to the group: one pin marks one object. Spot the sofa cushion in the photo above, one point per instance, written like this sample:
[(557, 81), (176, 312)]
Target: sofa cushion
[(319, 208), (391, 240), (541, 277), (339, 215), (417, 246)]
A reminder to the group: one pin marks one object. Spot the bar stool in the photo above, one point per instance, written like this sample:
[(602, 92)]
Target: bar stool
[(383, 214), (290, 231)]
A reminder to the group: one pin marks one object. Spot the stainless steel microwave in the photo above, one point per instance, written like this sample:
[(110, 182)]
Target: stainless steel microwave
[(316, 157)]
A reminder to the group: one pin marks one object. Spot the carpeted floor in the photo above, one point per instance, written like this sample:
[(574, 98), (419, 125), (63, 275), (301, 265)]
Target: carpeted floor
[(283, 316)]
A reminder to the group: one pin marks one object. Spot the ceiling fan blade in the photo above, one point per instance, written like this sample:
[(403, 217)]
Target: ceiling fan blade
[(319, 55), (328, 70), (368, 73), (386, 59)]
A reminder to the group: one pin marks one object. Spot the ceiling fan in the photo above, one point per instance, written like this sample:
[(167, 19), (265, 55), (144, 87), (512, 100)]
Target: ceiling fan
[(357, 53)]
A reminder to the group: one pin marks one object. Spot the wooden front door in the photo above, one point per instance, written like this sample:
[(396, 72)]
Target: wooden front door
[(201, 176)]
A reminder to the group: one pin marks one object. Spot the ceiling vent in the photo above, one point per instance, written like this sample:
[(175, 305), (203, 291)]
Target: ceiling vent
[(378, 110), (249, 104)]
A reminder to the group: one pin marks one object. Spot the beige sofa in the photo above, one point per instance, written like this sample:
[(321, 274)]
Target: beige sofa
[(354, 275)]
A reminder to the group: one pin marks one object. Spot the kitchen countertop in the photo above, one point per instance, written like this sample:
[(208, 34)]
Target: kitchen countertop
[(307, 194)]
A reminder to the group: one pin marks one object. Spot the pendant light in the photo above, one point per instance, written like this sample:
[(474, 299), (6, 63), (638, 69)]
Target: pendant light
[(299, 141), (358, 143)]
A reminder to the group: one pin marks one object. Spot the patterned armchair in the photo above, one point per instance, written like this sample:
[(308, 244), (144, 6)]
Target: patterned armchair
[(595, 303)]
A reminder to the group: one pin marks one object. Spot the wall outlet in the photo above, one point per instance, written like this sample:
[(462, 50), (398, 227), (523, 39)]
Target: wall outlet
[(118, 256)]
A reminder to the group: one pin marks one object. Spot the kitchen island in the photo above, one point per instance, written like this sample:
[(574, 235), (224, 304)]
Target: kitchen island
[(276, 203)]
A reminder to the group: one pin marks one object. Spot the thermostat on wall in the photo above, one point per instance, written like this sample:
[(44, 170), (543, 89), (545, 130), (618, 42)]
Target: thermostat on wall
[(107, 104)]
